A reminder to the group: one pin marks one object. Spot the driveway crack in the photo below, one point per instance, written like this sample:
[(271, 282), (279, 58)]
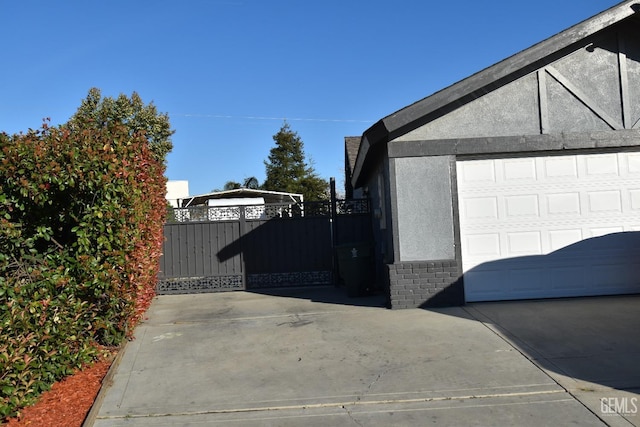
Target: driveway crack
[(375, 380), (351, 416), (296, 322), (372, 383)]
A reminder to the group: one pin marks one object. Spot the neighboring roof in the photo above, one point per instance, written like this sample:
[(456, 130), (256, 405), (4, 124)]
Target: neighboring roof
[(351, 146), (487, 80), (268, 196)]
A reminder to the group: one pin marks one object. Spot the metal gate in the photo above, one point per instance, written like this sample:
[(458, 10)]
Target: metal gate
[(212, 249)]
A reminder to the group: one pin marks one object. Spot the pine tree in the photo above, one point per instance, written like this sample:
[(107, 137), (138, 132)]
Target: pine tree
[(287, 170)]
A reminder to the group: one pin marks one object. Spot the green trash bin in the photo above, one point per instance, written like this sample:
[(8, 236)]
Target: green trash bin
[(355, 267)]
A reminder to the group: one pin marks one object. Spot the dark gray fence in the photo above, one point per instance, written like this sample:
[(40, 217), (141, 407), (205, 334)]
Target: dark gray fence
[(190, 261), (210, 249)]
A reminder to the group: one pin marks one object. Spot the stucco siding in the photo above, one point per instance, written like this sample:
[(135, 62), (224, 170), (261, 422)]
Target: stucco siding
[(509, 110), (424, 208), (592, 88)]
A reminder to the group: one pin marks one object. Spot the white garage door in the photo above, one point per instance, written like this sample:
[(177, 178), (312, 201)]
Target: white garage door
[(545, 227)]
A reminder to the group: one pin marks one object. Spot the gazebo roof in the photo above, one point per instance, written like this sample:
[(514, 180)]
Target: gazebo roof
[(268, 196)]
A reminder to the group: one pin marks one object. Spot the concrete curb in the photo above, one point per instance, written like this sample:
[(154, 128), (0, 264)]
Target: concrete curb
[(107, 381)]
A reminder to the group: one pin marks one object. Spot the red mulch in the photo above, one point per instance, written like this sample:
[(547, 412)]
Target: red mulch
[(68, 402)]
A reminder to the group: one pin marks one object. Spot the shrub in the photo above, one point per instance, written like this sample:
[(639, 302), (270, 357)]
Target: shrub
[(81, 215)]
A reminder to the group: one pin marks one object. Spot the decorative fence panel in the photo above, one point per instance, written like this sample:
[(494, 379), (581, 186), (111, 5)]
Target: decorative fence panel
[(211, 249)]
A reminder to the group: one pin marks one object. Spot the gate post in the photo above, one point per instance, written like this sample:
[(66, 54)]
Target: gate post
[(334, 230), (243, 230)]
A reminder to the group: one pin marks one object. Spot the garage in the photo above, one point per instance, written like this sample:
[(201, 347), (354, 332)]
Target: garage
[(555, 226), (521, 181)]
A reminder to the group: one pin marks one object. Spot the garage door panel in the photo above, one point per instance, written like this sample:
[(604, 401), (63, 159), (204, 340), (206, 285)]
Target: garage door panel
[(602, 164), (609, 276), (484, 285), (527, 280), (520, 169), (603, 231), (604, 201), (483, 245), (524, 243), (550, 226), (481, 171), (569, 278), (558, 239), (634, 199), (564, 204), (526, 205), (560, 167), (633, 163), (483, 208)]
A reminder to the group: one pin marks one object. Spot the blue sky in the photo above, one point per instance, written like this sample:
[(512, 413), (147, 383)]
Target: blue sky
[(228, 72)]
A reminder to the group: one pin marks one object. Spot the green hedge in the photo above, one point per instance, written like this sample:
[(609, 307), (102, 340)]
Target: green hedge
[(81, 213)]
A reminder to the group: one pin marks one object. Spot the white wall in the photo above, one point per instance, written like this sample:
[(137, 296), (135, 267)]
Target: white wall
[(177, 190)]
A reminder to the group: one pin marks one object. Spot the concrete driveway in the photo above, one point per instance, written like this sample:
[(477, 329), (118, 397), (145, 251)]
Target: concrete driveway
[(316, 358), (589, 346)]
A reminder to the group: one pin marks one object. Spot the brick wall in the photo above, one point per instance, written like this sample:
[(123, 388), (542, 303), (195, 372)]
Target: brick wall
[(425, 284)]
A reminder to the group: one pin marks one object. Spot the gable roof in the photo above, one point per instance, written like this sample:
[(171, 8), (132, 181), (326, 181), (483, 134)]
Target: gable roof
[(446, 100)]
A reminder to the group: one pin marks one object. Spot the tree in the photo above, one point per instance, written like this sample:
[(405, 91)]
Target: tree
[(251, 182), (231, 185), (287, 170), (131, 112)]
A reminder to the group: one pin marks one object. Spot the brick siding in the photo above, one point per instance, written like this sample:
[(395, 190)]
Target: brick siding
[(425, 284)]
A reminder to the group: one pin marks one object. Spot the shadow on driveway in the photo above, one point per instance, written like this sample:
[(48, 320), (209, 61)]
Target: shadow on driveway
[(595, 339), (590, 346), (326, 294)]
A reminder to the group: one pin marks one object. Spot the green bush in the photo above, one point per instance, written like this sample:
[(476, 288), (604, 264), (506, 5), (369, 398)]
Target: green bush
[(81, 213)]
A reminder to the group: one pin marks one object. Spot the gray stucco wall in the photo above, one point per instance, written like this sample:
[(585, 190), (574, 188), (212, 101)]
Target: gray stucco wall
[(378, 193), (591, 89), (424, 226), (509, 110)]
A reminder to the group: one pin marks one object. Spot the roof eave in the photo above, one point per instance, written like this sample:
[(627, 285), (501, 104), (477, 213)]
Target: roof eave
[(447, 99)]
